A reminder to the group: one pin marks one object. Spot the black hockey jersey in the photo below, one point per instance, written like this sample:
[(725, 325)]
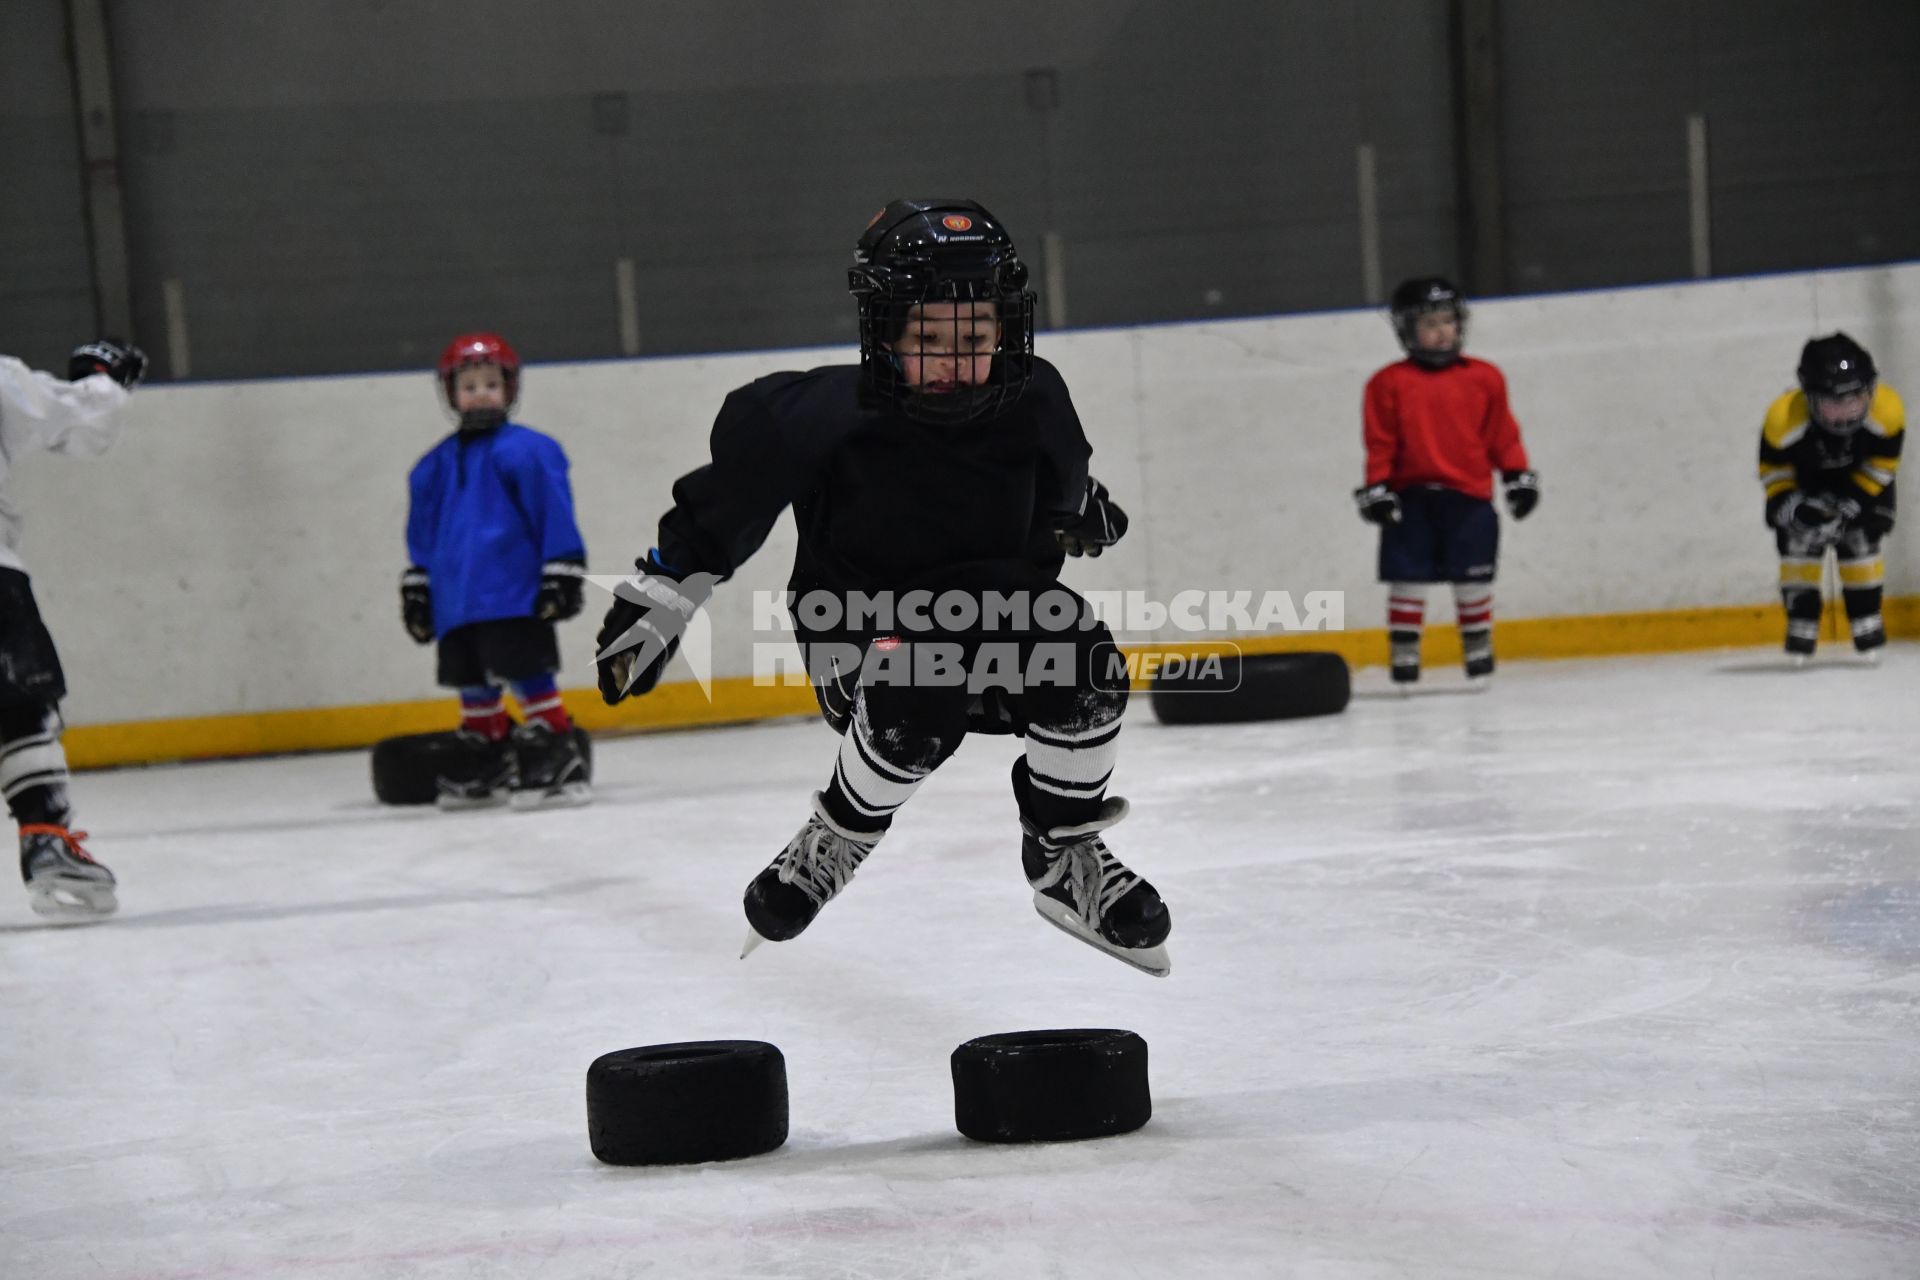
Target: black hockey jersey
[(882, 502), (1796, 454)]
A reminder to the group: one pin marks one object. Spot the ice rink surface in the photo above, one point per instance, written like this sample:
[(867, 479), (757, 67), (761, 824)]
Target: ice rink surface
[(1611, 971)]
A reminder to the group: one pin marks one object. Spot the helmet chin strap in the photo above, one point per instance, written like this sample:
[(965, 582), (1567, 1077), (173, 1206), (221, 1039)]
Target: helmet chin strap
[(1432, 359), (482, 419)]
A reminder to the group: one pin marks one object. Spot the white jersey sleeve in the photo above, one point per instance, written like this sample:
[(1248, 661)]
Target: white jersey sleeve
[(40, 411)]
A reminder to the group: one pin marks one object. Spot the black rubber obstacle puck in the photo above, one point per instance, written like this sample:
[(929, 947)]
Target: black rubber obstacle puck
[(1051, 1086), (687, 1103), (1238, 688), (406, 769)]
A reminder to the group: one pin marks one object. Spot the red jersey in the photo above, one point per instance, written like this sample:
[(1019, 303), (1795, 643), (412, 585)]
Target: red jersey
[(1446, 426)]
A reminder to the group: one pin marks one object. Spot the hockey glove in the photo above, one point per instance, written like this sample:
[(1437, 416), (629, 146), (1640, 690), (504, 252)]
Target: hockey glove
[(1100, 524), (416, 604), (125, 363), (1523, 492), (1877, 520), (1378, 504), (1815, 517), (643, 628), (562, 590)]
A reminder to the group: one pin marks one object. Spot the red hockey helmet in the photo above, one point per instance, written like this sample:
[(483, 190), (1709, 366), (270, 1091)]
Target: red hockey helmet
[(481, 348)]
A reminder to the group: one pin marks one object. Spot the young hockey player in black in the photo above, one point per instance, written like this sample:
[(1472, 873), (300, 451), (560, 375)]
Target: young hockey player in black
[(950, 460), (1828, 454), (79, 417)]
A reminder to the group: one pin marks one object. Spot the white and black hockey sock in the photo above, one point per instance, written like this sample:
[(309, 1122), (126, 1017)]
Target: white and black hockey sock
[(1070, 758), (870, 780), (33, 765)]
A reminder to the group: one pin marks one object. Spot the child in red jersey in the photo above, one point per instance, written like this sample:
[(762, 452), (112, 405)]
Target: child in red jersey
[(1437, 428)]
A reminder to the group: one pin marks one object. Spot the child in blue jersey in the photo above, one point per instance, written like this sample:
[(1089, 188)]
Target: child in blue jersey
[(497, 560)]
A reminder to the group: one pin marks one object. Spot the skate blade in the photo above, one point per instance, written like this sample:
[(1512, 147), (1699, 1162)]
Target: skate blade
[(1151, 960), (572, 795), (58, 900), (464, 804)]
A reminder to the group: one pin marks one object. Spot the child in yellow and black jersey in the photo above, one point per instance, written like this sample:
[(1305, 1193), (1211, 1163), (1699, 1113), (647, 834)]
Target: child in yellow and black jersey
[(1828, 454)]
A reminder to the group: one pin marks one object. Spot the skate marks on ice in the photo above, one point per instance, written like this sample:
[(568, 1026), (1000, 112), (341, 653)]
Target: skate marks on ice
[(250, 913), (1781, 665)]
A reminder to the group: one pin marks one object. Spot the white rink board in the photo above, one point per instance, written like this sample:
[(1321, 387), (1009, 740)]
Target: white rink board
[(240, 551), (1609, 973)]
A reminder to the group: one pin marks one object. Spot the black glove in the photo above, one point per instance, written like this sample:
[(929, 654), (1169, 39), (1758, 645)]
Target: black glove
[(562, 590), (1523, 492), (1815, 515), (650, 611), (1877, 520), (125, 363), (1378, 504), (416, 604), (1100, 524)]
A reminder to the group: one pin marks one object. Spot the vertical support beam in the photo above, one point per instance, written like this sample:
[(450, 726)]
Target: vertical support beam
[(1372, 288), (100, 151), (173, 296), (1699, 209), (626, 296), (1054, 276), (1476, 87), (1043, 99)]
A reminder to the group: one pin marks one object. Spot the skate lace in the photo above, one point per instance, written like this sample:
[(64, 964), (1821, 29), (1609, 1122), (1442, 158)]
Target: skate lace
[(819, 862), (1097, 878), (71, 839)]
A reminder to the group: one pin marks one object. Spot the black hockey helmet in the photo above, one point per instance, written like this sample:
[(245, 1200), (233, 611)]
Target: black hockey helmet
[(1831, 367), (920, 251), (1415, 298)]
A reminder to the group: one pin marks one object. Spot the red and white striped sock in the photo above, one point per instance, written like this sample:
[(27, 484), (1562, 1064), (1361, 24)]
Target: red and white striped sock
[(483, 712), (1406, 607), (1473, 603)]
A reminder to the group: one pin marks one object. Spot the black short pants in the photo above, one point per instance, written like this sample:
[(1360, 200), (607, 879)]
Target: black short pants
[(30, 671), (504, 650), (1442, 536)]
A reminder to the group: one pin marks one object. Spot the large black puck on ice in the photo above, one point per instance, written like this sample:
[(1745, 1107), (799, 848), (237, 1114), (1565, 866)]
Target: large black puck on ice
[(1051, 1086), (406, 769), (1257, 686), (685, 1103)]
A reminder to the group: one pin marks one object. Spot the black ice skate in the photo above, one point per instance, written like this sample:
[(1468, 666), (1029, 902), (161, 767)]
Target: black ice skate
[(1082, 889), (1869, 636), (1801, 641), (551, 771), (816, 864), (63, 880), (1476, 652), (1405, 659), (480, 775)]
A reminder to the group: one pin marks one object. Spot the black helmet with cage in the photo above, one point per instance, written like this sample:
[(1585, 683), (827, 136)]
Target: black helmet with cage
[(1418, 297), (916, 252), (1831, 369)]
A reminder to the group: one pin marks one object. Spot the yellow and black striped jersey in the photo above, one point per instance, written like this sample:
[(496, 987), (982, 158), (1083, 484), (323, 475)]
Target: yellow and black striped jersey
[(1796, 454)]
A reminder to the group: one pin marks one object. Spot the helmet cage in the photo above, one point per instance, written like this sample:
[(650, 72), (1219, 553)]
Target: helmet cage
[(921, 252), (1417, 298), (1833, 368)]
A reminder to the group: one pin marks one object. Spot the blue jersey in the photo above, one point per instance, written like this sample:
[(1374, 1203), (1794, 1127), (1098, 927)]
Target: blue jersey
[(488, 509)]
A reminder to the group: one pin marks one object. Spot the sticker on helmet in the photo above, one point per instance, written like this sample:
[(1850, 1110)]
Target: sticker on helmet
[(957, 222)]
